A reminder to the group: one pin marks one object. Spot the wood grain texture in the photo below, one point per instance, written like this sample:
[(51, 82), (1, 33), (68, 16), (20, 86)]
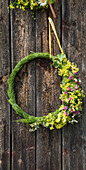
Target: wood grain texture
[(74, 33), (4, 69), (55, 135), (42, 135), (23, 42), (48, 144), (37, 87)]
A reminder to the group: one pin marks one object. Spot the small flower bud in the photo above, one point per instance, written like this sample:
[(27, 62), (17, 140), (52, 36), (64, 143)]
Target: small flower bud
[(70, 77)]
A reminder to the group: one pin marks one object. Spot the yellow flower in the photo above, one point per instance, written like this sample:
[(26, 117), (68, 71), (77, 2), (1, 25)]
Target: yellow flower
[(50, 115), (80, 107), (52, 123), (58, 126), (47, 124), (12, 7), (56, 121), (68, 63), (61, 85), (51, 127), (20, 7), (23, 8)]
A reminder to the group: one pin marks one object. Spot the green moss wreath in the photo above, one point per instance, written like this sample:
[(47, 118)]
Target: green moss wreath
[(71, 96), (33, 4)]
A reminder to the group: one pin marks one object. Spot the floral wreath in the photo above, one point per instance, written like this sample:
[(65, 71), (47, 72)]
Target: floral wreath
[(71, 96), (33, 4)]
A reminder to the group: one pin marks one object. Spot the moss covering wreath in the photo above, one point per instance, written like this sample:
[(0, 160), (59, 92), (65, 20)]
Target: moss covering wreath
[(71, 96)]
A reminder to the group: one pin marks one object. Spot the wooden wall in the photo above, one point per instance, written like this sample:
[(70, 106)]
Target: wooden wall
[(37, 87)]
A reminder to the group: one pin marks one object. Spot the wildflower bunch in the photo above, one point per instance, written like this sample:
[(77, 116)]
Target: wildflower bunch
[(71, 96), (32, 4)]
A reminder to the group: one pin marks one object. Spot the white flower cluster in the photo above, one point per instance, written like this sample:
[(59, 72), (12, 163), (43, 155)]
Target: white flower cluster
[(42, 2)]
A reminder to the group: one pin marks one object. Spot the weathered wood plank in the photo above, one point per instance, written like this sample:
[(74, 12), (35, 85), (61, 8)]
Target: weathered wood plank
[(74, 142), (4, 69), (48, 144), (55, 135), (24, 42), (42, 135)]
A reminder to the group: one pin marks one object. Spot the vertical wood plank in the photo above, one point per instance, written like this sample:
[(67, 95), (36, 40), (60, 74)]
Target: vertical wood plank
[(48, 144), (83, 78), (55, 135), (23, 42), (48, 151), (4, 69), (42, 135), (74, 142)]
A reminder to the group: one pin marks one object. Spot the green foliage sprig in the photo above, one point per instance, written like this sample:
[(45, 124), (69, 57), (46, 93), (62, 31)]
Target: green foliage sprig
[(71, 96), (32, 4)]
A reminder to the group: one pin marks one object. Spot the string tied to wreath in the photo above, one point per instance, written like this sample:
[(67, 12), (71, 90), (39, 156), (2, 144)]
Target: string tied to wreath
[(55, 33)]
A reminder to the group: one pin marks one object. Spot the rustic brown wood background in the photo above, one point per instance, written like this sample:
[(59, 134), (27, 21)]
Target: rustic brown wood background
[(37, 87)]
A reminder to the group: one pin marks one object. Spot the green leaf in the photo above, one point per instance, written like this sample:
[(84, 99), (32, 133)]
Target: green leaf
[(55, 65), (61, 56)]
